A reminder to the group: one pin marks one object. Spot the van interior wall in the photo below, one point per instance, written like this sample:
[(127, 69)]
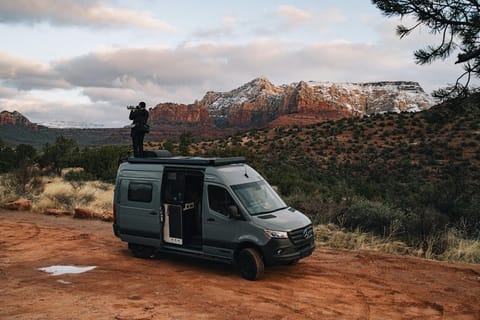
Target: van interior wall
[(193, 194), (185, 188)]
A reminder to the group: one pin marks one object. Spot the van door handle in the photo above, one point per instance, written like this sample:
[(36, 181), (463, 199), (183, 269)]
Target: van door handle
[(153, 213), (210, 219)]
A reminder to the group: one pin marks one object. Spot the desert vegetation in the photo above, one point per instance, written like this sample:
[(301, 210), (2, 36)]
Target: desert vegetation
[(408, 177), (61, 178), (405, 183)]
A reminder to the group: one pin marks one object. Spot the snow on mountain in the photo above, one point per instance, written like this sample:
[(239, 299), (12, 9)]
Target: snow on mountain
[(70, 124), (259, 102), (359, 98), (375, 97), (249, 92)]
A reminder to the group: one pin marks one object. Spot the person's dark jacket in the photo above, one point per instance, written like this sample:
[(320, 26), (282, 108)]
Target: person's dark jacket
[(139, 117)]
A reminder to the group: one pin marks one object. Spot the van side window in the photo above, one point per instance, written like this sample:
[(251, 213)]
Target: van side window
[(140, 192), (219, 199)]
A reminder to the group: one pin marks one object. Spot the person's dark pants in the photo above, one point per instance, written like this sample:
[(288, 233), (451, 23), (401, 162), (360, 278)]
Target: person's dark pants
[(137, 140)]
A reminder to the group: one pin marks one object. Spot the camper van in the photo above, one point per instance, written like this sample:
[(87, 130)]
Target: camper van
[(208, 207)]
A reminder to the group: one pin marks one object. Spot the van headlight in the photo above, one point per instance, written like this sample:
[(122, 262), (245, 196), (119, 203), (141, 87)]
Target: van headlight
[(276, 234)]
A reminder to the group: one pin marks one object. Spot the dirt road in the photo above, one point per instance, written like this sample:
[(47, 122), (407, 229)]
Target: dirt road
[(328, 285)]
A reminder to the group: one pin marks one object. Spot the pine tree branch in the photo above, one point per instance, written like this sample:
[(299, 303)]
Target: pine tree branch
[(464, 57), (458, 23)]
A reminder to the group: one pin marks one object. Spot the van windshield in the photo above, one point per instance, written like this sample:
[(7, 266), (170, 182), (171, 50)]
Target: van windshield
[(258, 197)]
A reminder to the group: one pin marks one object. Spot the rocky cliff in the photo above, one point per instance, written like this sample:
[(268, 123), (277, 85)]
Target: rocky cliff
[(260, 103), (15, 118)]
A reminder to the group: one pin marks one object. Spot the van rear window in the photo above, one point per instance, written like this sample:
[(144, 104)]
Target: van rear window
[(140, 192)]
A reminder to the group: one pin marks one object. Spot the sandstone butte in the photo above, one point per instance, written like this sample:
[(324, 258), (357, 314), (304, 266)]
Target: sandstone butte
[(259, 103)]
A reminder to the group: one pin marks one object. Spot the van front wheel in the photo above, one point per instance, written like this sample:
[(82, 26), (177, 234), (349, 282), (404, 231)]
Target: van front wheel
[(141, 251), (250, 264)]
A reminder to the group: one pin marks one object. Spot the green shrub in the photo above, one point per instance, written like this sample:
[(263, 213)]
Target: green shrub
[(78, 175), (24, 181), (374, 216), (7, 159), (102, 162), (64, 200), (315, 207), (70, 199)]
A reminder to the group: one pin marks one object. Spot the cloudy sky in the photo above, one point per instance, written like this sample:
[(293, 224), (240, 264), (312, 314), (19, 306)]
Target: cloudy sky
[(85, 60)]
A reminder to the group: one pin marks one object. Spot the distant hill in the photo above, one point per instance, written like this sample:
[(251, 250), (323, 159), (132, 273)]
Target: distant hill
[(17, 129), (256, 104)]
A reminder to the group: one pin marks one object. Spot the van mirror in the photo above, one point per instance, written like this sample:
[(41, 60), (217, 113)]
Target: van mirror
[(233, 212)]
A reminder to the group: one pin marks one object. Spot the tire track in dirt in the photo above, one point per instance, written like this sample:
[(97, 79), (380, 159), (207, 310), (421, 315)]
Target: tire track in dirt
[(21, 231), (373, 280)]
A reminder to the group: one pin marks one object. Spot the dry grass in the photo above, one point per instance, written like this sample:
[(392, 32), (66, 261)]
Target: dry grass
[(59, 194), (6, 193), (463, 250), (332, 236), (458, 249)]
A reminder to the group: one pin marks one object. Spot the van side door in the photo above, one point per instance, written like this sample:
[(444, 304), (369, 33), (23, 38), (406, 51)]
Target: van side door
[(139, 213), (220, 230)]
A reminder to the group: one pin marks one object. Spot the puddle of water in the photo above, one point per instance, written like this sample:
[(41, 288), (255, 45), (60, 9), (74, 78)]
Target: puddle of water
[(59, 270)]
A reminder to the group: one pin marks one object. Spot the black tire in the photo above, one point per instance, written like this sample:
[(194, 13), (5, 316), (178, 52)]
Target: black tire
[(293, 262), (250, 264), (141, 251)]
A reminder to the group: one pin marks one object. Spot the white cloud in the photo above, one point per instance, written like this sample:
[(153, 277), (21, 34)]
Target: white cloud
[(74, 12), (225, 29), (292, 19), (293, 16), (105, 82), (332, 15), (191, 70), (7, 93), (27, 74), (44, 107)]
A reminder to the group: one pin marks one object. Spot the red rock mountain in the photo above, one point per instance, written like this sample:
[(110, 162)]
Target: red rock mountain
[(255, 104), (259, 103), (15, 118)]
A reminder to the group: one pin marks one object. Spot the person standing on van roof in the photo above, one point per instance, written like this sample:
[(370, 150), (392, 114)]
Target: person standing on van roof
[(139, 115)]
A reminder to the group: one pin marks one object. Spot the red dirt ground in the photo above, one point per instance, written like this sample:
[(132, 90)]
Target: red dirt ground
[(328, 285)]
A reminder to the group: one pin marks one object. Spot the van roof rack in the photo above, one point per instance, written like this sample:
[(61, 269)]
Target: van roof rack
[(193, 161)]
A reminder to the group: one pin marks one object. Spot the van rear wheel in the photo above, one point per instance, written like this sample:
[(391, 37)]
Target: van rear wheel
[(141, 251), (250, 264)]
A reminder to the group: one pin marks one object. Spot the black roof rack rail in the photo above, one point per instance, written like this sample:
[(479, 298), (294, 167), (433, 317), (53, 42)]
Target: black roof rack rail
[(193, 161)]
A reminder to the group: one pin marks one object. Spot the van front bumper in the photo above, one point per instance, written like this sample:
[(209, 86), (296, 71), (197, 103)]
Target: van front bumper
[(280, 251)]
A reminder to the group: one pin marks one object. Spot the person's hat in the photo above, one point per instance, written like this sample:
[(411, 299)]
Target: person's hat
[(142, 104)]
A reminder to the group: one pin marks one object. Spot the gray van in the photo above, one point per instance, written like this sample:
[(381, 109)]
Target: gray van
[(213, 208)]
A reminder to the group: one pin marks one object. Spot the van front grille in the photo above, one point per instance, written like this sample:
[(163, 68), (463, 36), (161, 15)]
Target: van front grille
[(302, 236)]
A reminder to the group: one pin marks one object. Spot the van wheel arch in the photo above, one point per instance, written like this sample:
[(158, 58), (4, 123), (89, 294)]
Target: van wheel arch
[(244, 245)]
